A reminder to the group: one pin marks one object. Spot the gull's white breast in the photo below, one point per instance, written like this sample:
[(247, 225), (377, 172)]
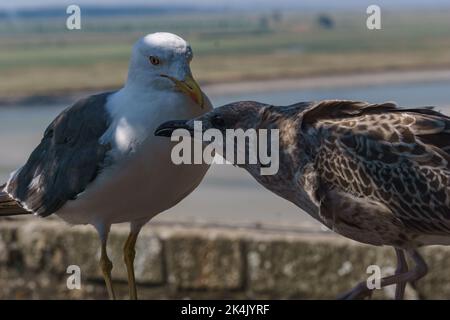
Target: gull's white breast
[(141, 180)]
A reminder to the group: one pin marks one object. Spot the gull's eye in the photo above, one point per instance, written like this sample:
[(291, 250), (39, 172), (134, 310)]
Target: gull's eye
[(217, 121), (154, 60)]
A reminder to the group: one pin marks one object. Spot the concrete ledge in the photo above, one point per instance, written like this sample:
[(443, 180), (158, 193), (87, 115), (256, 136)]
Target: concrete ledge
[(176, 261)]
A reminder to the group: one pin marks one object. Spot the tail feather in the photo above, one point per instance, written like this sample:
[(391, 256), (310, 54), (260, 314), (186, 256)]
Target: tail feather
[(9, 206)]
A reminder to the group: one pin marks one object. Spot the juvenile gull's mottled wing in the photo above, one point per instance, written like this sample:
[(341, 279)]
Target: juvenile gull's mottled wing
[(398, 158), (67, 159)]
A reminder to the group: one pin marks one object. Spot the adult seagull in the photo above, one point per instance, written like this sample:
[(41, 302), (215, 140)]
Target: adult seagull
[(374, 173), (99, 162)]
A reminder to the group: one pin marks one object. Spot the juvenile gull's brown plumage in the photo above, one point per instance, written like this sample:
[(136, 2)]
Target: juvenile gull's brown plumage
[(374, 173)]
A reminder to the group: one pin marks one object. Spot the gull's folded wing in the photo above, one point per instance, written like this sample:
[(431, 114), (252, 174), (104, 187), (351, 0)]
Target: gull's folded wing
[(9, 206), (397, 157), (67, 159)]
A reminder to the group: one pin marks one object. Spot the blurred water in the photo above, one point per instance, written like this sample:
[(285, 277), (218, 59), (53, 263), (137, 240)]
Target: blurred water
[(227, 194), (411, 94)]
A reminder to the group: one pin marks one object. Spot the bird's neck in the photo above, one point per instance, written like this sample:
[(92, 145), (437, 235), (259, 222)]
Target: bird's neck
[(139, 88), (151, 105), (294, 158)]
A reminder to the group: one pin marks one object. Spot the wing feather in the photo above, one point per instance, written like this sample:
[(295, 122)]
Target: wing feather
[(67, 159), (9, 206), (398, 157)]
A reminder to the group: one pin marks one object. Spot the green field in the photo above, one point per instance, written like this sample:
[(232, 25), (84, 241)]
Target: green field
[(40, 56)]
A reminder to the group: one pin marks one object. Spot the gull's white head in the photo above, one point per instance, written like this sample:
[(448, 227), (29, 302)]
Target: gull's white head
[(161, 61)]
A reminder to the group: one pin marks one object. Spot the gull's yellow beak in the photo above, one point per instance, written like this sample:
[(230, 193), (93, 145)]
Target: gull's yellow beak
[(189, 87)]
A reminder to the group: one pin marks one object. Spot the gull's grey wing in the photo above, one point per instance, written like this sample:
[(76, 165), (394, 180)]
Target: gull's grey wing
[(399, 158), (67, 159)]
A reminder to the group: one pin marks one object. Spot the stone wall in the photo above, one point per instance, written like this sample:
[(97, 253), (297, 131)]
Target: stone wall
[(196, 262)]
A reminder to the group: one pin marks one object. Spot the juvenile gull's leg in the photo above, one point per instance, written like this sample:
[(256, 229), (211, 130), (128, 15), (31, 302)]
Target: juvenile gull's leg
[(402, 267), (361, 291)]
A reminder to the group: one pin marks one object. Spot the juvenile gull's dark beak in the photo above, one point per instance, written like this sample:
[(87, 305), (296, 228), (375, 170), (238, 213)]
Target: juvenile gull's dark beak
[(167, 128)]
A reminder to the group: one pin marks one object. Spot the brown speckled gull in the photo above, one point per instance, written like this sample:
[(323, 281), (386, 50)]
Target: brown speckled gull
[(374, 173)]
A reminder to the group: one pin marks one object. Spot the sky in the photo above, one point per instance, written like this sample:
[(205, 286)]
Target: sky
[(269, 4)]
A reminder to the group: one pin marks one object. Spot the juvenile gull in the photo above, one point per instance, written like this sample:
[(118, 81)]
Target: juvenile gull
[(99, 162), (374, 173)]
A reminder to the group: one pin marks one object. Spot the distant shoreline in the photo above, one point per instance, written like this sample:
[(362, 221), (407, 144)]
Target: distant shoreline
[(331, 81), (255, 86)]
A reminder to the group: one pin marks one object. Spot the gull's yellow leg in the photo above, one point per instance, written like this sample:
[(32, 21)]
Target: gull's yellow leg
[(106, 267), (128, 255)]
